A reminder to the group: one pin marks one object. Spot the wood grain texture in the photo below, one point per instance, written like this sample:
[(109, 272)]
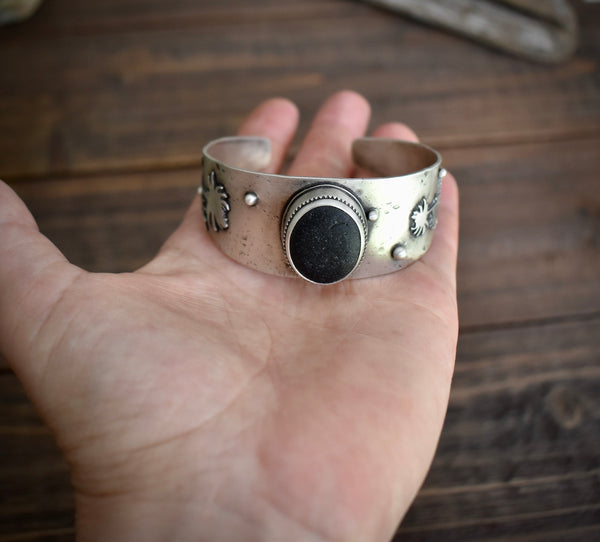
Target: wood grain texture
[(36, 495), (97, 91), (530, 230), (517, 460)]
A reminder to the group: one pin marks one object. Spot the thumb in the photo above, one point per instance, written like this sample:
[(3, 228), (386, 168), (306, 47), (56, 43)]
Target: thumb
[(34, 275)]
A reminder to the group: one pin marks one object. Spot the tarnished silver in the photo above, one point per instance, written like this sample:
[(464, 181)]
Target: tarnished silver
[(215, 204), (404, 192)]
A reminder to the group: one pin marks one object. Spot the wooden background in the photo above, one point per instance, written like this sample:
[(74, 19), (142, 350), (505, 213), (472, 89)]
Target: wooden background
[(104, 108)]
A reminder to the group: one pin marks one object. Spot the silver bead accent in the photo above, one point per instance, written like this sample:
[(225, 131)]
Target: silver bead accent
[(200, 190), (399, 252), (251, 199), (373, 215), (442, 173)]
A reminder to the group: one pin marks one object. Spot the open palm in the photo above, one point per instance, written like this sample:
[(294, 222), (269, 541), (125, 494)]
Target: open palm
[(196, 399)]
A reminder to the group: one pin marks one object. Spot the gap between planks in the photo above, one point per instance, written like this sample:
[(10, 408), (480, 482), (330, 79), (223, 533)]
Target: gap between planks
[(501, 519)]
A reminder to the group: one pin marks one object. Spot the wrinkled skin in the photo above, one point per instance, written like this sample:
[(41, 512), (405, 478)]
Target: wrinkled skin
[(196, 399)]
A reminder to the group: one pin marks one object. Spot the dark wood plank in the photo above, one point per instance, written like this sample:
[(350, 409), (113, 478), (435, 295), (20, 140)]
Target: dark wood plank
[(75, 17), (52, 535), (36, 495), (120, 95), (530, 225), (518, 457)]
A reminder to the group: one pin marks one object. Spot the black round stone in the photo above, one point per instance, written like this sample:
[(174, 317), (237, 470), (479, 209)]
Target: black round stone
[(325, 245)]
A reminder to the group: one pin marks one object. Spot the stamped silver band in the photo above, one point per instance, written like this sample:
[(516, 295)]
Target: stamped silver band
[(322, 229)]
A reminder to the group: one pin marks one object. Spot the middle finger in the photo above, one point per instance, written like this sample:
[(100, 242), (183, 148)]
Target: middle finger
[(326, 150)]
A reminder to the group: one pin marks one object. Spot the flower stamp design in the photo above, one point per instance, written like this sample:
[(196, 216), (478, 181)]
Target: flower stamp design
[(215, 204), (423, 217)]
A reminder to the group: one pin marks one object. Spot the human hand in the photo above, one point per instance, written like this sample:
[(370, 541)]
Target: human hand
[(196, 399)]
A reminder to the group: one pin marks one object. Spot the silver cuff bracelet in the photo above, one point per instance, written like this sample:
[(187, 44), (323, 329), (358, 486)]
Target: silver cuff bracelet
[(322, 229)]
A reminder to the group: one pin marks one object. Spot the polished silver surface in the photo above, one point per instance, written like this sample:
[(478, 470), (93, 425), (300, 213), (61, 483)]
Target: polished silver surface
[(399, 253), (373, 215), (251, 199), (404, 191)]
